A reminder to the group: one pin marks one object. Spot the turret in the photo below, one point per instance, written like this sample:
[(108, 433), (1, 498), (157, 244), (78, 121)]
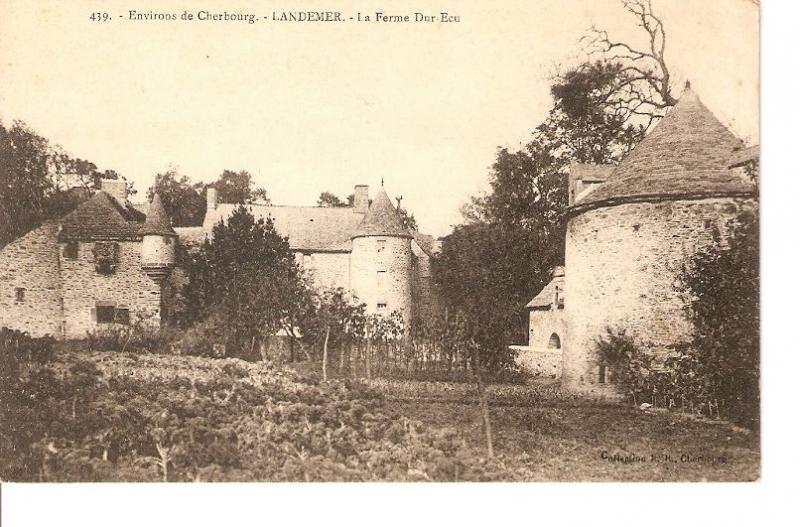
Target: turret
[(158, 242), (381, 260)]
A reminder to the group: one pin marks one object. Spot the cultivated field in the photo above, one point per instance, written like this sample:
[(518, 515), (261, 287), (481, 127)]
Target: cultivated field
[(138, 417)]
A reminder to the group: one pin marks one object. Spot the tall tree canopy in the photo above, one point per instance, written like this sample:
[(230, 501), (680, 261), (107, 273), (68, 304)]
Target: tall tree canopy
[(39, 181), (238, 187), (515, 233), (182, 199), (329, 199), (246, 278)]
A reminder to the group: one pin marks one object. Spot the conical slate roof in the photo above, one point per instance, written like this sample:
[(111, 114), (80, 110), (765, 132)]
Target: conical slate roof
[(157, 221), (381, 219), (687, 154)]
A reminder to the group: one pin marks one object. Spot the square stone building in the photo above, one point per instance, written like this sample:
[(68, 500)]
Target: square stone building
[(104, 265)]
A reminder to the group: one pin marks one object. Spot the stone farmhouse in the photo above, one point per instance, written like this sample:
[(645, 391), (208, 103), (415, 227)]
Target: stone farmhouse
[(630, 229), (106, 263)]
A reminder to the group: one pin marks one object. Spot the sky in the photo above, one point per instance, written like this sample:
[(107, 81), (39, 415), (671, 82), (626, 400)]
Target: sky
[(310, 107)]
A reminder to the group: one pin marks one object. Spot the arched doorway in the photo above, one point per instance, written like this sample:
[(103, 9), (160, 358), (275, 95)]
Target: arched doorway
[(554, 342)]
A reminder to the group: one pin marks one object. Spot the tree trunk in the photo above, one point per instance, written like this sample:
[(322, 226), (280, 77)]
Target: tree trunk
[(366, 358), (325, 354), (484, 404)]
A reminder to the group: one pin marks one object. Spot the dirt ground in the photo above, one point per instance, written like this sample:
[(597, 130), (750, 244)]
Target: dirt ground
[(568, 438)]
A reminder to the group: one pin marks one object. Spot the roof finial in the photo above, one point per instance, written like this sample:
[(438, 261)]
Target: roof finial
[(381, 181)]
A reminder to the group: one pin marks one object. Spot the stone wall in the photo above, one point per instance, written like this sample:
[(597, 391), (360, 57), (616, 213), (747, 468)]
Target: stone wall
[(426, 304), (622, 266), (127, 287), (395, 260), (539, 362), (543, 324), (31, 263), (159, 250), (327, 269)]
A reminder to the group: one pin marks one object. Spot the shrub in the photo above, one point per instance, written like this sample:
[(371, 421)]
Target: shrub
[(21, 346)]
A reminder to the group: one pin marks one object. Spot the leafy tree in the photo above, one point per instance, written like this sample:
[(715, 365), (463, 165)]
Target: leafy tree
[(246, 278), (338, 319), (39, 181), (238, 187), (329, 199), (515, 234), (722, 282), (407, 218), (182, 199)]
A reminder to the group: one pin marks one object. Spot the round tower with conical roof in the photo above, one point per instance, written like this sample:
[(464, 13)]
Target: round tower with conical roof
[(158, 242), (381, 260), (628, 239)]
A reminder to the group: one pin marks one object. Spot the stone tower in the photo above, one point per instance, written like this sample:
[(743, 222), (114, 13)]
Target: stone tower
[(629, 237), (381, 260), (158, 242)]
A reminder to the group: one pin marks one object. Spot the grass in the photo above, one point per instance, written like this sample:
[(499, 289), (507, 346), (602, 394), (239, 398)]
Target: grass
[(558, 437)]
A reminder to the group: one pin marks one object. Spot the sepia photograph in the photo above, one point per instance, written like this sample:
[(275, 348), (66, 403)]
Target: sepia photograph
[(380, 242)]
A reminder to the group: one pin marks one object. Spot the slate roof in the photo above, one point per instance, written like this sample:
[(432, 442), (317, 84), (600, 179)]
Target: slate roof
[(322, 229), (101, 217), (191, 238), (382, 219), (308, 228), (687, 154), (544, 300), (157, 221)]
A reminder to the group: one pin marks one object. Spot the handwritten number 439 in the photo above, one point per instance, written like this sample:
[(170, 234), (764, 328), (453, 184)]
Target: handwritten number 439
[(100, 17)]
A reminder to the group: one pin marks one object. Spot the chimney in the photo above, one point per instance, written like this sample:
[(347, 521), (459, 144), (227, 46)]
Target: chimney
[(116, 188), (361, 198), (211, 198)]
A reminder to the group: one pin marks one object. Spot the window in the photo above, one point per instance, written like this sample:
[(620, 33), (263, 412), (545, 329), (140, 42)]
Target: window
[(105, 314), (71, 251), (108, 314), (381, 283), (381, 306), (381, 245), (554, 342), (601, 374), (19, 294)]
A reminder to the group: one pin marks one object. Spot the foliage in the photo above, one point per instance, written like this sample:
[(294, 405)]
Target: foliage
[(329, 199), (723, 286), (238, 187), (717, 373), (19, 345), (626, 364), (225, 420), (182, 199), (494, 264), (245, 279), (37, 180)]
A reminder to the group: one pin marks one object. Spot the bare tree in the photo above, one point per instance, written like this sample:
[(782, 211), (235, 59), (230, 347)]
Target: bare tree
[(642, 88)]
